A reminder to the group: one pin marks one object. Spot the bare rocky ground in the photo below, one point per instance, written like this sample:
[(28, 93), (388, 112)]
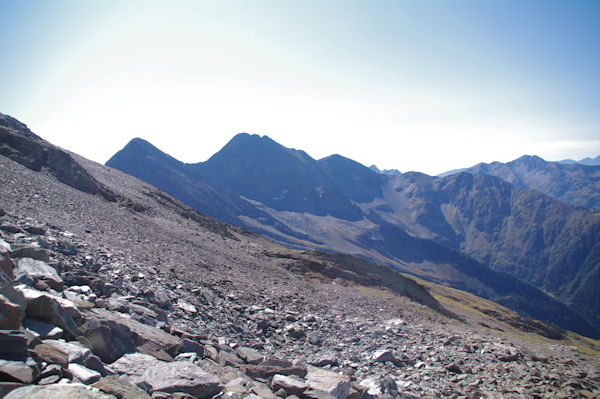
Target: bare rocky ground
[(123, 292)]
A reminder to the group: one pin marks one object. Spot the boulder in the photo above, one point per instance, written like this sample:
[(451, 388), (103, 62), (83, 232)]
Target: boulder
[(4, 247), (189, 345), (292, 385), (178, 376), (58, 391), (333, 383), (76, 352), (30, 271), (226, 358), (36, 230), (249, 355), (326, 359), (50, 354), (84, 374), (261, 390), (161, 298), (43, 330), (187, 307), (13, 345), (10, 228), (93, 362), (52, 309), (382, 356), (52, 370), (16, 371), (120, 388), (266, 372), (6, 387), (112, 335), (275, 361), (11, 314), (13, 295), (27, 251), (7, 269)]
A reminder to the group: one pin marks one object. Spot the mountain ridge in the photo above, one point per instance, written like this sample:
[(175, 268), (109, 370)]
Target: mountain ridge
[(322, 214), (573, 183)]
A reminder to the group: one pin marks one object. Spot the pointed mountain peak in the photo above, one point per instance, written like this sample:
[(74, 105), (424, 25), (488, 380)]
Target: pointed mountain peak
[(140, 144), (250, 139), (388, 172), (135, 151), (530, 161)]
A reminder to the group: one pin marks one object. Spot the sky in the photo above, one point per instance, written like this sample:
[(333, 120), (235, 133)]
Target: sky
[(412, 85)]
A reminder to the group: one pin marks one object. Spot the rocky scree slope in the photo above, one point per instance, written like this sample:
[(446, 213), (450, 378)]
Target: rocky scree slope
[(514, 246), (134, 294)]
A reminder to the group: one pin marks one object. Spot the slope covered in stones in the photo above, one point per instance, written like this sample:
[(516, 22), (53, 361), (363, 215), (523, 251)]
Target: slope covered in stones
[(515, 246), (145, 288)]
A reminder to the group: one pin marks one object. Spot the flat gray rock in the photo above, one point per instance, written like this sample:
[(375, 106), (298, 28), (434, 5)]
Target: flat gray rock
[(249, 355), (28, 251), (330, 382), (29, 269), (180, 376), (292, 385), (120, 387), (84, 374), (77, 351), (52, 309), (112, 335), (58, 391), (16, 371)]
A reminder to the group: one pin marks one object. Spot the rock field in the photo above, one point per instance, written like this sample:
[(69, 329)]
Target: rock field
[(126, 293)]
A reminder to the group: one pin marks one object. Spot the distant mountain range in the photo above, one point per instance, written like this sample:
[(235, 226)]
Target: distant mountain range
[(575, 183), (585, 161), (472, 231)]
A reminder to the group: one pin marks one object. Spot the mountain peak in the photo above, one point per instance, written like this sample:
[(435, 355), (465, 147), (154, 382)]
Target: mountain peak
[(530, 160), (247, 138), (388, 172), (138, 142)]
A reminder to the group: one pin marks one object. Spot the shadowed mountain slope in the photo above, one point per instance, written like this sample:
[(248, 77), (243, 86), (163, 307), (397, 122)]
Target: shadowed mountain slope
[(281, 178), (134, 199), (574, 184), (476, 233)]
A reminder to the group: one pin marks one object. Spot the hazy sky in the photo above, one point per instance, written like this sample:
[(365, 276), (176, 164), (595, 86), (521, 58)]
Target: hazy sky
[(414, 85)]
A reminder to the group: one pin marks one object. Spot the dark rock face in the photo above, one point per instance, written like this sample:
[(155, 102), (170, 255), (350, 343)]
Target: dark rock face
[(13, 345), (18, 143), (281, 178)]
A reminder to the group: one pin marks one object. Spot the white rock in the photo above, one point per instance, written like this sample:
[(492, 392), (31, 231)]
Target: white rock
[(84, 374), (335, 384), (4, 246), (187, 307)]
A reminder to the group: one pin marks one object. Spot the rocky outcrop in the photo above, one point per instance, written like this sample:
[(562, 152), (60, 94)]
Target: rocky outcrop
[(17, 142)]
